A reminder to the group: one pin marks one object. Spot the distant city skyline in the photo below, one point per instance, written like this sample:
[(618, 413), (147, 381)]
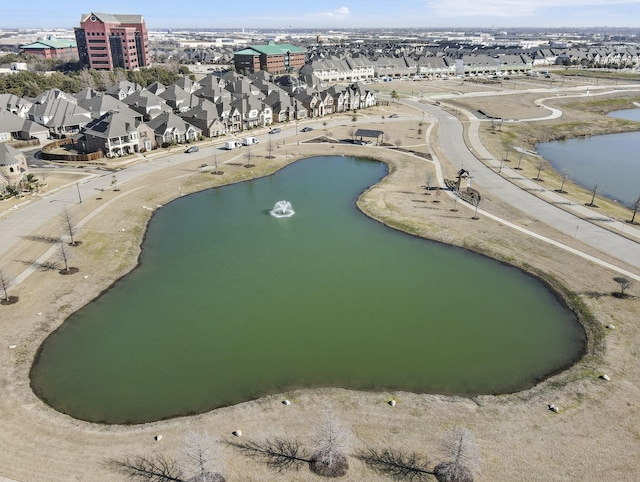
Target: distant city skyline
[(337, 14)]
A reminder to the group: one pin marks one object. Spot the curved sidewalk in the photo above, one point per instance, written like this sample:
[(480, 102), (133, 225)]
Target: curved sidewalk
[(451, 140)]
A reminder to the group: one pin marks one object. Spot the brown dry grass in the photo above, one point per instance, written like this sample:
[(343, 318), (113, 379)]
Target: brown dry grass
[(50, 182), (595, 436), (581, 117)]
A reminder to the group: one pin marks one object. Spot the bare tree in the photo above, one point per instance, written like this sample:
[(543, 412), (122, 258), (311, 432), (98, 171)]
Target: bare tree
[(324, 124), (635, 206), (397, 465), (155, 468), (398, 142), (202, 454), (215, 165), (455, 200), (270, 147), (65, 256), (428, 182), (476, 199), (248, 164), (506, 154), (69, 226), (119, 75), (86, 79), (200, 451), (462, 458), (520, 159), (565, 176), (594, 191), (114, 183), (540, 169), (105, 79), (5, 281), (279, 454), (332, 440), (624, 283)]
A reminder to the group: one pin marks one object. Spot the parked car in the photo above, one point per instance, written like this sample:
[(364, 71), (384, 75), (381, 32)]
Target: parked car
[(276, 130), (192, 149), (394, 116), (307, 129)]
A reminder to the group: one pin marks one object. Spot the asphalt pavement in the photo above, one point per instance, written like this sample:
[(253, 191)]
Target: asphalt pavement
[(451, 143)]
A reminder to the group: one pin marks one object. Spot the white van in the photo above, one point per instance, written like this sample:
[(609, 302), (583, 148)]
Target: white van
[(247, 141), (232, 145)]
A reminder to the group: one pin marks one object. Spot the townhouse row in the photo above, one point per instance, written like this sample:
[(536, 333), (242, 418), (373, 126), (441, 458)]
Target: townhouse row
[(439, 64), (128, 118)]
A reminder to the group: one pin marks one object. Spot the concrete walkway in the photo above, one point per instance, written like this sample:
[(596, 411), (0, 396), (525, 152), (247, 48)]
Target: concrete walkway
[(451, 143), (23, 221)]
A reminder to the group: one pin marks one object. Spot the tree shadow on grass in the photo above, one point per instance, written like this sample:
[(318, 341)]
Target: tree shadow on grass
[(44, 266), (9, 300), (41, 238)]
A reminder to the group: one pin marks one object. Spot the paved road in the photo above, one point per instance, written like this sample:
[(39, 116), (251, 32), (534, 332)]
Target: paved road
[(15, 226), (451, 142), (27, 219)]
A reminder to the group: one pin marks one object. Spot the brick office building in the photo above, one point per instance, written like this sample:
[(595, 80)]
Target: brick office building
[(52, 48), (273, 58), (106, 41)]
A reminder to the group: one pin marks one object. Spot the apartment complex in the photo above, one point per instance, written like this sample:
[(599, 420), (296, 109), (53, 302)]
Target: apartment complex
[(273, 58), (106, 41)]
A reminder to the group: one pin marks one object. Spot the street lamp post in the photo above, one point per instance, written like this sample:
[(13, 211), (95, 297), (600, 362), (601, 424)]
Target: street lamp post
[(79, 196)]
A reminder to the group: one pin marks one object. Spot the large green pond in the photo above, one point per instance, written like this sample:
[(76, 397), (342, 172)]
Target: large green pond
[(229, 304)]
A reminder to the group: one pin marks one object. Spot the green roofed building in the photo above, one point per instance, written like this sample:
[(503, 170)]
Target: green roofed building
[(52, 48), (273, 58)]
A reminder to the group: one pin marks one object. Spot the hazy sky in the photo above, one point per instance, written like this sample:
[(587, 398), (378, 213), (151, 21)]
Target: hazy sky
[(334, 13)]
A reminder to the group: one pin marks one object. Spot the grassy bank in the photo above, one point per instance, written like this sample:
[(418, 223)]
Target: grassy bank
[(580, 118)]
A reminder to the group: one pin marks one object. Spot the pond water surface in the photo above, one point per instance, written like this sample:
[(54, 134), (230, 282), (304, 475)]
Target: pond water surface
[(611, 160), (230, 303)]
